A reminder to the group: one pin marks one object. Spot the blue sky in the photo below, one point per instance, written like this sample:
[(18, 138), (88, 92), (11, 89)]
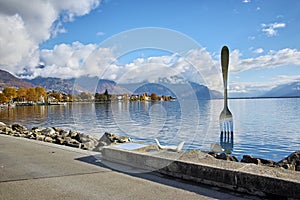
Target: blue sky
[(262, 35)]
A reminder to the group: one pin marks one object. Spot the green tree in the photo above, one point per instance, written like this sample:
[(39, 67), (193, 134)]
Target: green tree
[(100, 97)]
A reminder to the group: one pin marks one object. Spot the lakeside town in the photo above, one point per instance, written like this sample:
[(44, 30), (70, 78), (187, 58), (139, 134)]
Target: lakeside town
[(11, 96)]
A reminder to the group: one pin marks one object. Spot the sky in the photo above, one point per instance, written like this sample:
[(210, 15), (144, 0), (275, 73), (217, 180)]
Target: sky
[(135, 41)]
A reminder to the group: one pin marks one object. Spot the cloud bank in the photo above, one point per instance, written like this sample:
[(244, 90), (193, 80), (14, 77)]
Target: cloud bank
[(24, 25)]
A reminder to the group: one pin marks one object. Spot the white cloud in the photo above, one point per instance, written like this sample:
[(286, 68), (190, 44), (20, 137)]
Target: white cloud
[(196, 65), (65, 60), (246, 1), (100, 33), (271, 29), (258, 51), (23, 26), (251, 38), (15, 41), (273, 59)]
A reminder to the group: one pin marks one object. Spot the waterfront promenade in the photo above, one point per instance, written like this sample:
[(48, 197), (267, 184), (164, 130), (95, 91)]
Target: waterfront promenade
[(37, 170)]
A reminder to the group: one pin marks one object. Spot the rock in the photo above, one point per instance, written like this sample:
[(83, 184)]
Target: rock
[(123, 139), (7, 130), (59, 140), (40, 137), (224, 156), (110, 138), (74, 135), (35, 128), (73, 143), (57, 129), (48, 139), (291, 162), (106, 139), (64, 133), (49, 132), (269, 163), (22, 135), (258, 161), (89, 145), (30, 135), (18, 127), (250, 159), (2, 125)]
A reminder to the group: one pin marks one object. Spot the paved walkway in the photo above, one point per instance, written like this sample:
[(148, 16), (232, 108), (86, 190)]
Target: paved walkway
[(36, 170)]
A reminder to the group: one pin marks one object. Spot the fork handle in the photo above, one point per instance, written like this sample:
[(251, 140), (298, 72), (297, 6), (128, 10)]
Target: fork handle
[(224, 64)]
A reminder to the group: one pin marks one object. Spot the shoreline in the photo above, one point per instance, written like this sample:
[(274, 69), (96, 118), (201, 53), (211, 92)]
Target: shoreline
[(94, 143)]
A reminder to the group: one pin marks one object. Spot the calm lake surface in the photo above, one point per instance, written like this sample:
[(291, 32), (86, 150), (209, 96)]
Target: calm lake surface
[(266, 128)]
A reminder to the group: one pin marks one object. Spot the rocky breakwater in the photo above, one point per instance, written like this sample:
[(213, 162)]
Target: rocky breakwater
[(63, 137), (291, 162)]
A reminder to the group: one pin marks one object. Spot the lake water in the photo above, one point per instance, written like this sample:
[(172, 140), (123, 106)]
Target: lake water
[(266, 128)]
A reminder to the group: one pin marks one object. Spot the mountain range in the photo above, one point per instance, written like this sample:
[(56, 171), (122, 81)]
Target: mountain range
[(9, 80), (188, 90), (285, 90)]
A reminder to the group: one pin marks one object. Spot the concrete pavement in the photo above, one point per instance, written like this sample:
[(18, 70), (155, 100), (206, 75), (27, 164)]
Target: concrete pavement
[(36, 170)]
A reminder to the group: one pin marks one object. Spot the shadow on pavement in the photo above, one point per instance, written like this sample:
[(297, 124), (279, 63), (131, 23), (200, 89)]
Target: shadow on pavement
[(154, 176)]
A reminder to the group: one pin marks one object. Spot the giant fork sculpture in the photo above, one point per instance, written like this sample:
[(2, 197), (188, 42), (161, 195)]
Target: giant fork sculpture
[(226, 119)]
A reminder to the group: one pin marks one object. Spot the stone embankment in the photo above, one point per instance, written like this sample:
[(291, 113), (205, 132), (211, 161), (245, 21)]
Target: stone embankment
[(95, 143)]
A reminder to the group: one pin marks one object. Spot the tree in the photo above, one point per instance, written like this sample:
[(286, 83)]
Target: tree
[(57, 96), (100, 97), (41, 93), (154, 97), (32, 95), (84, 96), (10, 93), (21, 94), (3, 98), (70, 97)]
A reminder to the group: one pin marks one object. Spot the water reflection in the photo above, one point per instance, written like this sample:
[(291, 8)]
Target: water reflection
[(21, 114), (258, 129)]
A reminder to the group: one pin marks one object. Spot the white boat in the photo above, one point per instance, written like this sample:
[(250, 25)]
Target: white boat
[(57, 103)]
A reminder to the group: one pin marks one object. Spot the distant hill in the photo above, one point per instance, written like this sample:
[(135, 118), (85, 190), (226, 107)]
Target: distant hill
[(286, 90), (56, 84), (9, 80), (77, 85)]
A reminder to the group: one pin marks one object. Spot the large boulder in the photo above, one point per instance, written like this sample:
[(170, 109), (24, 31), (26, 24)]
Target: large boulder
[(258, 161), (19, 128), (2, 125), (110, 138), (74, 135), (49, 132), (291, 162), (225, 156)]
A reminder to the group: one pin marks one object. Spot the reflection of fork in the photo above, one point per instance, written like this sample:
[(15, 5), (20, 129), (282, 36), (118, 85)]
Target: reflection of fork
[(226, 119)]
